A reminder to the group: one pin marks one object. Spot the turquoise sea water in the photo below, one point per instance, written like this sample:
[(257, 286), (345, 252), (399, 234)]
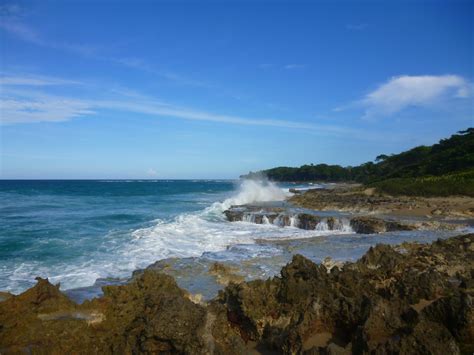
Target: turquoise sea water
[(76, 232), (55, 228)]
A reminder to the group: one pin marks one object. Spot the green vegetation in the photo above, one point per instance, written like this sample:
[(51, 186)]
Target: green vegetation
[(445, 168), (444, 185)]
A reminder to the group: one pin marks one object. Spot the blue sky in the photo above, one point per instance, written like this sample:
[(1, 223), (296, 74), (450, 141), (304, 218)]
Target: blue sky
[(155, 89)]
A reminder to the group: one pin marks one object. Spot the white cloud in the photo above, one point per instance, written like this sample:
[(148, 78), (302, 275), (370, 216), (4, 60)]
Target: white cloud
[(405, 91)]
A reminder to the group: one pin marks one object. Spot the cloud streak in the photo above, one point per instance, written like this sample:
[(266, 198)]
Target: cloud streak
[(357, 26), (34, 80), (294, 66), (42, 109), (22, 105), (28, 34), (140, 64)]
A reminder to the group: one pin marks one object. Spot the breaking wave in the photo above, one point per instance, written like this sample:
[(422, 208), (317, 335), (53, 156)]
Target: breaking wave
[(251, 191)]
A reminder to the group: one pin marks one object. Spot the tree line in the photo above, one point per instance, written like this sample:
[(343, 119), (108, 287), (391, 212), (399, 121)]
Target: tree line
[(450, 155)]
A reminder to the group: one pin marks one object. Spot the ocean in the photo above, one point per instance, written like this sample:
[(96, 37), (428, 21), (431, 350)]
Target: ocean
[(77, 232)]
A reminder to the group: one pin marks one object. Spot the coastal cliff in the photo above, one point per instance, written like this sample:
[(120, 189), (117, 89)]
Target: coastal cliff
[(413, 298)]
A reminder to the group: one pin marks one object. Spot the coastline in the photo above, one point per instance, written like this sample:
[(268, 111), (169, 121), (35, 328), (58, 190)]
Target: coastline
[(412, 296), (191, 273), (237, 178), (349, 208), (281, 302)]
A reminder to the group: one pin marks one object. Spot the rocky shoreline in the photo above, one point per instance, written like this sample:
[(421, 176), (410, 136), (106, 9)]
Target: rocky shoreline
[(352, 207), (359, 199), (278, 216), (353, 220), (412, 298), (409, 298)]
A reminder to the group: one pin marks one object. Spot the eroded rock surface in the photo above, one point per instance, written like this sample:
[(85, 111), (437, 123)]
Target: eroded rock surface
[(150, 315), (409, 299), (370, 225), (225, 274), (360, 199), (309, 221), (416, 302)]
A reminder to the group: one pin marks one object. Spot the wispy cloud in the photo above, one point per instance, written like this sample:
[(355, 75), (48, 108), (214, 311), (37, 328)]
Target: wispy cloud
[(26, 33), (33, 80), (15, 26), (21, 31), (265, 66), (191, 114), (10, 9), (294, 66), (357, 26), (22, 105), (33, 107), (291, 66), (19, 103), (12, 21), (405, 91), (142, 65)]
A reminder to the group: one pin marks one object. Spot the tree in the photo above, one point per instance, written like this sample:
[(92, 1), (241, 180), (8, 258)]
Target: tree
[(381, 157)]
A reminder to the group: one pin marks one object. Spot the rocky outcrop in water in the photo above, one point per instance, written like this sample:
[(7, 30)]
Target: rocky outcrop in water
[(308, 221), (410, 299), (369, 225)]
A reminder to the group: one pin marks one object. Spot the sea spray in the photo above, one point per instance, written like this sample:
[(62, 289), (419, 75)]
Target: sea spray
[(294, 221), (322, 226), (251, 191)]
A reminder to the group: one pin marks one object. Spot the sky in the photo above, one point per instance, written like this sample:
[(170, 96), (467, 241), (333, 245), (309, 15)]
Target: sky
[(208, 89)]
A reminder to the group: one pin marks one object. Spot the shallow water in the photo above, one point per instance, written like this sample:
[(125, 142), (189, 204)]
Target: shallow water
[(265, 258)]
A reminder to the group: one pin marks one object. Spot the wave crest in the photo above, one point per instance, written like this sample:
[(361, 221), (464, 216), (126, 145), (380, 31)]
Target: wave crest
[(251, 191)]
